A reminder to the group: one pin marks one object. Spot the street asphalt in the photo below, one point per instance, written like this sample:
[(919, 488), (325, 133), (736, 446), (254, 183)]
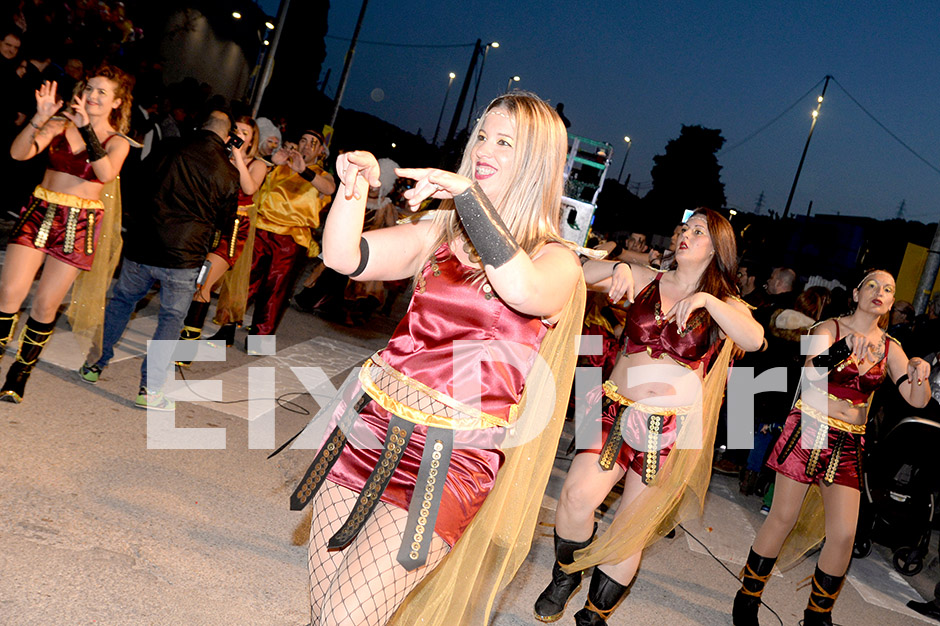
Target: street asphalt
[(97, 528)]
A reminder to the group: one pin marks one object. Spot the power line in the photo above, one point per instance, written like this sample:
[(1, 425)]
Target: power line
[(404, 45), (886, 129), (770, 123)]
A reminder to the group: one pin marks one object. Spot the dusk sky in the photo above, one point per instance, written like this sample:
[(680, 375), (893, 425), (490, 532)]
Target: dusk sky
[(645, 68)]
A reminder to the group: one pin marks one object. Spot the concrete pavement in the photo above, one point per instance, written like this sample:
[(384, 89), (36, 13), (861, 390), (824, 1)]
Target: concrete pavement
[(95, 528)]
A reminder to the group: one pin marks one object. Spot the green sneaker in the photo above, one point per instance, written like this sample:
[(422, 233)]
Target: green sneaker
[(89, 373), (154, 400)]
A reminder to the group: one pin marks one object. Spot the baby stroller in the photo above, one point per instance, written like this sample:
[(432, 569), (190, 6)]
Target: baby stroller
[(901, 474)]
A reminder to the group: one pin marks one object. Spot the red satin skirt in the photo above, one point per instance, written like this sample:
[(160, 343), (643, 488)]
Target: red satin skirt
[(636, 442), (794, 464), (469, 479), (35, 230), (232, 241)]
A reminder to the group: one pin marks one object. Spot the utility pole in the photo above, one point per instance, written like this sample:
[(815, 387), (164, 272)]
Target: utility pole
[(269, 59), (799, 168), (900, 214), (809, 209), (347, 64), (463, 94), (929, 275), (759, 205)]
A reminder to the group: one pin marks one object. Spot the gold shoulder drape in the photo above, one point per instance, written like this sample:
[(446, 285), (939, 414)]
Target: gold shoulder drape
[(90, 291), (462, 589)]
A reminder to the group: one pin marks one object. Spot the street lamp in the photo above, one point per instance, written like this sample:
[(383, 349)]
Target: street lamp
[(476, 88), (450, 82), (625, 155), (514, 79), (236, 15)]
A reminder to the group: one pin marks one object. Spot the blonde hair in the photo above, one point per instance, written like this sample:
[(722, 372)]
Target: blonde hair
[(249, 121), (531, 206)]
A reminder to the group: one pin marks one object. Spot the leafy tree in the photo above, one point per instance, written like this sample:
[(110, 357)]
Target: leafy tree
[(688, 176)]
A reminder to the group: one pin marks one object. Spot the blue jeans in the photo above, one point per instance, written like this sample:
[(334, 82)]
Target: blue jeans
[(177, 287)]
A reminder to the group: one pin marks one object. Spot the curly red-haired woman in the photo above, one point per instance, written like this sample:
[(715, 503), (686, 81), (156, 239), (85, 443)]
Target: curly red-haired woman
[(58, 228)]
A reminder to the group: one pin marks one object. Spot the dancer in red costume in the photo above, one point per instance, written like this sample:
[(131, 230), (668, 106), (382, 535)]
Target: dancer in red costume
[(497, 294), (822, 445), (59, 227), (673, 333)]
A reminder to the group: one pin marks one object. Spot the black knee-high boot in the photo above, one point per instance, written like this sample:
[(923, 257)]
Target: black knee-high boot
[(7, 325), (754, 577), (33, 339), (604, 596), (550, 605), (192, 325), (822, 598)]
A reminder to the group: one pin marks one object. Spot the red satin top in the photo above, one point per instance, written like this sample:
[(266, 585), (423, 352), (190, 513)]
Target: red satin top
[(62, 159), (847, 384), (488, 372), (646, 329)]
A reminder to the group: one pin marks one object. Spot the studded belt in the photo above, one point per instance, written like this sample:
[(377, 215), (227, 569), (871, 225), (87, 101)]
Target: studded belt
[(655, 418), (819, 443), (435, 460)]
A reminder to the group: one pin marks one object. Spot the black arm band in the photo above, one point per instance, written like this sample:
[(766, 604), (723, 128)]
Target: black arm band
[(486, 229), (901, 380), (363, 257), (96, 151), (308, 175), (838, 352)]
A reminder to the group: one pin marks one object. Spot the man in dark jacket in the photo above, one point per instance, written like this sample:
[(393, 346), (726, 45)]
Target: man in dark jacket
[(189, 194)]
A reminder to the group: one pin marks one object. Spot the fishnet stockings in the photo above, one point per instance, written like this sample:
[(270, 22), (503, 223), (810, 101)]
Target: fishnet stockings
[(363, 584)]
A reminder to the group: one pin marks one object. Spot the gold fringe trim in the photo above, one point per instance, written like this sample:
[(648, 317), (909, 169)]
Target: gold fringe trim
[(66, 199), (837, 398), (469, 418), (822, 418), (610, 390)]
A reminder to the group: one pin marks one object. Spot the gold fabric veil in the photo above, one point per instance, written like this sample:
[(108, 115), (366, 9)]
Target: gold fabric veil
[(233, 294), (677, 493), (809, 531), (462, 589), (90, 290)]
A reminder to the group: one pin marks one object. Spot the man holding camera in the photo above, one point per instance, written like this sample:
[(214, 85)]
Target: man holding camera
[(289, 204), (188, 194)]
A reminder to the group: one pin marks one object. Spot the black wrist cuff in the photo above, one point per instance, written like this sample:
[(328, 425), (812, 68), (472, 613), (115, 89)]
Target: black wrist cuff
[(363, 257), (486, 230), (901, 380), (838, 352), (95, 150), (308, 175)]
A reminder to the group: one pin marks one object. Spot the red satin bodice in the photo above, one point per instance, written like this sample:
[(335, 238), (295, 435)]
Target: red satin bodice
[(449, 310), (62, 159), (647, 329), (847, 384)]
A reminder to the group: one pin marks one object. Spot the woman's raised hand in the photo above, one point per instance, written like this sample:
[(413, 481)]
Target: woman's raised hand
[(351, 165), (621, 282), (683, 309), (76, 112), (432, 183), (46, 102), (919, 370), (860, 345)]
